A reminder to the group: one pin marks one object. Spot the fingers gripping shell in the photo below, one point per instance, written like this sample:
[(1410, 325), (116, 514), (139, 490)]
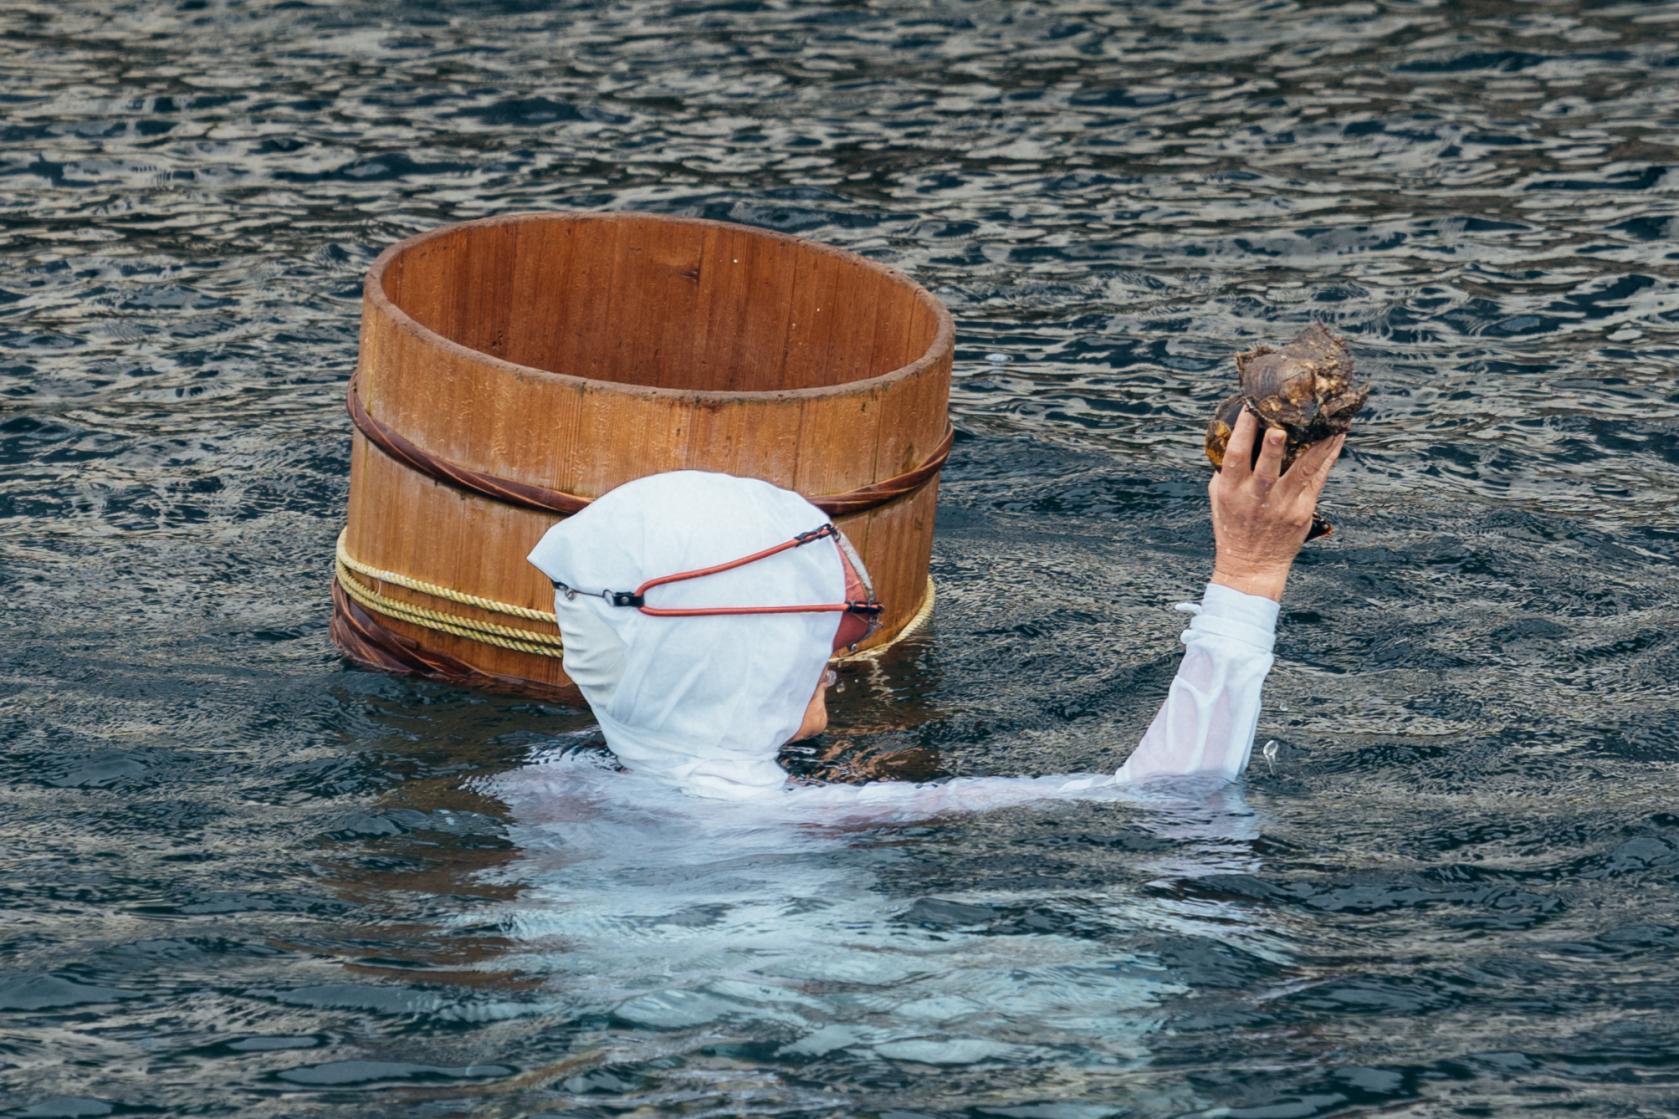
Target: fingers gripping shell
[(1222, 425), (1306, 387)]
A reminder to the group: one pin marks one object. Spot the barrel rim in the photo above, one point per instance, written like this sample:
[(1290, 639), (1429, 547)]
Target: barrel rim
[(373, 291)]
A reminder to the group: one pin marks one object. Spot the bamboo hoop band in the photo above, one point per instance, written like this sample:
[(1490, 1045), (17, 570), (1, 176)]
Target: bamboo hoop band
[(525, 495), (360, 636)]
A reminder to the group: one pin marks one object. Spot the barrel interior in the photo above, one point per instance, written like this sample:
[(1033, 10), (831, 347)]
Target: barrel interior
[(674, 304)]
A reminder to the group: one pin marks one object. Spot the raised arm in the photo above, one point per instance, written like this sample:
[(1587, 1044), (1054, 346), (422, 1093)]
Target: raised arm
[(1260, 520), (1206, 726)]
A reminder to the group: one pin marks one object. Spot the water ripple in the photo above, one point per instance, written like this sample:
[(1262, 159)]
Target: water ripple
[(243, 879)]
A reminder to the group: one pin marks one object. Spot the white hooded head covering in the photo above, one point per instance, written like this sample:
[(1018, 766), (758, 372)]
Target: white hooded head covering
[(704, 702)]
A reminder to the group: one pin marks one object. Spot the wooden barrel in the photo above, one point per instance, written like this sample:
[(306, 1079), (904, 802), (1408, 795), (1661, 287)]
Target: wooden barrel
[(513, 369)]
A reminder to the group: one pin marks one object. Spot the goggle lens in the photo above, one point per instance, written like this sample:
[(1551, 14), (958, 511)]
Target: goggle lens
[(855, 628)]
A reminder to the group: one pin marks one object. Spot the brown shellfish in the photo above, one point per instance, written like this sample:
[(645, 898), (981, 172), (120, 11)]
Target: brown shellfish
[(1306, 388)]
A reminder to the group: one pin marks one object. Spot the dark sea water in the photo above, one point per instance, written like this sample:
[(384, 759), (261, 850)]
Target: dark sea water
[(238, 877)]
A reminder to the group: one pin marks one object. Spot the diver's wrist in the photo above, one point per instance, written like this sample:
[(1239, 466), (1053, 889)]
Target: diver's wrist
[(1266, 581)]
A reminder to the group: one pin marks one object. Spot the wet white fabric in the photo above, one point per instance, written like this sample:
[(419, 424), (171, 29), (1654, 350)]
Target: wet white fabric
[(706, 703), (1204, 730)]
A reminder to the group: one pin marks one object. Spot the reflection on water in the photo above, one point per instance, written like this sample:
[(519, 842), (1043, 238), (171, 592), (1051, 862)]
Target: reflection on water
[(239, 878)]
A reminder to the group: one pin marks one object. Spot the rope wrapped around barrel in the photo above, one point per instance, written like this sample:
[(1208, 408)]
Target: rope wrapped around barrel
[(543, 499), (360, 635)]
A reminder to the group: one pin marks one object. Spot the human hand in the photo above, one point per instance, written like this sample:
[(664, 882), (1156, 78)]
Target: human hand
[(1261, 515)]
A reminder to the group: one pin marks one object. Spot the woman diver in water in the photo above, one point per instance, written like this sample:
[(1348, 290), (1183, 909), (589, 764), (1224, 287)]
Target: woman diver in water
[(699, 612)]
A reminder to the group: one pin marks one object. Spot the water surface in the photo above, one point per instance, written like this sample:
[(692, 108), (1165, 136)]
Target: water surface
[(238, 877)]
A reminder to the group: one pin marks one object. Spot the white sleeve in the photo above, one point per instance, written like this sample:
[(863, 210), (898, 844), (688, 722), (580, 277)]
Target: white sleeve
[(1204, 729), (904, 800), (1207, 723)]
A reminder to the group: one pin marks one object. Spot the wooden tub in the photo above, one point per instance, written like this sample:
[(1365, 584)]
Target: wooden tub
[(512, 369)]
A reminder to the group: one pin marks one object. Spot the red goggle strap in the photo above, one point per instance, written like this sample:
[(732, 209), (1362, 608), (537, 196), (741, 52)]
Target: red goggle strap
[(638, 597)]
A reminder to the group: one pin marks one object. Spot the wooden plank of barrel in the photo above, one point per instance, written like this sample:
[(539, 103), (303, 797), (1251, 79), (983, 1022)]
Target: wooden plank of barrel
[(513, 369)]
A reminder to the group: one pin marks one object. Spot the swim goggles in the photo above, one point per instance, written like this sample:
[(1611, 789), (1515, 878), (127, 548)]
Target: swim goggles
[(861, 608)]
